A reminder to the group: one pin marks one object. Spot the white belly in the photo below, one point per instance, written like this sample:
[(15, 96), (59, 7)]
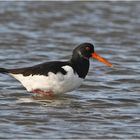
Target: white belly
[(57, 83)]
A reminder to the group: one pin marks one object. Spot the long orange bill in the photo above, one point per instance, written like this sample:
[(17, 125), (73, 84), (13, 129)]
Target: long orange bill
[(96, 56)]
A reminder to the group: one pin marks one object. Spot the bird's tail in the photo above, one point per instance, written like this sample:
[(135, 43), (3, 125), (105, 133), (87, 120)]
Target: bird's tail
[(3, 70)]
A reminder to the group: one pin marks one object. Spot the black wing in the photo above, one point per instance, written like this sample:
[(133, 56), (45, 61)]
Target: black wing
[(41, 69)]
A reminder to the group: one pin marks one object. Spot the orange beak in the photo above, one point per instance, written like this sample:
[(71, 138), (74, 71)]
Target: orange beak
[(96, 56)]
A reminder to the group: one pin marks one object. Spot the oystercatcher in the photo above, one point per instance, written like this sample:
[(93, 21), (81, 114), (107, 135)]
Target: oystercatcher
[(57, 76)]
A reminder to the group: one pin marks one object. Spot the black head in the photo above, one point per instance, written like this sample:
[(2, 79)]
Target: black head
[(84, 51), (80, 58)]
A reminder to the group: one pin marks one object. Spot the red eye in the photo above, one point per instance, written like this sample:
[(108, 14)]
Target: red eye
[(87, 48)]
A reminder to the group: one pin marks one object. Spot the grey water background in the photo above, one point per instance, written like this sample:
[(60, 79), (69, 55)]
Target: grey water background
[(107, 105)]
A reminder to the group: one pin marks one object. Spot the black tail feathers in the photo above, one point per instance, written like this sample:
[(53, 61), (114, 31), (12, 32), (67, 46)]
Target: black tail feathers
[(3, 70)]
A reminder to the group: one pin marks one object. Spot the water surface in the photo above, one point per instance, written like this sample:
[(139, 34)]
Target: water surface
[(107, 105)]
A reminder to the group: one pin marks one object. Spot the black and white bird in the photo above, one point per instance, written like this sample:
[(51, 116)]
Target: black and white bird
[(56, 77)]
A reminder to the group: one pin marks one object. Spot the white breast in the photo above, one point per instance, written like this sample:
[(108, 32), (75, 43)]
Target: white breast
[(57, 83)]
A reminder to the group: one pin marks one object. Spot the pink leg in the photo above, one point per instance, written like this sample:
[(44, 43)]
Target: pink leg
[(41, 92)]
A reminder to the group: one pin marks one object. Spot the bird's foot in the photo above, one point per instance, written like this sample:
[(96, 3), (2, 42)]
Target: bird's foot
[(42, 92)]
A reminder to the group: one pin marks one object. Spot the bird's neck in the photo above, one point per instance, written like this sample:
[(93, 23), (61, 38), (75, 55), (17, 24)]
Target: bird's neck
[(80, 66)]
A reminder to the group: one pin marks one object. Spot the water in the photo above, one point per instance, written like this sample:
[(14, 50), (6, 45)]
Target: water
[(107, 105)]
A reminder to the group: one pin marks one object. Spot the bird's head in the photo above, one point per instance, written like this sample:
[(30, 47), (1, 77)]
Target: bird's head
[(86, 51)]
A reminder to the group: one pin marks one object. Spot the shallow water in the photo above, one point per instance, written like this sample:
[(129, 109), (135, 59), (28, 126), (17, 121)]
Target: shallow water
[(107, 105)]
